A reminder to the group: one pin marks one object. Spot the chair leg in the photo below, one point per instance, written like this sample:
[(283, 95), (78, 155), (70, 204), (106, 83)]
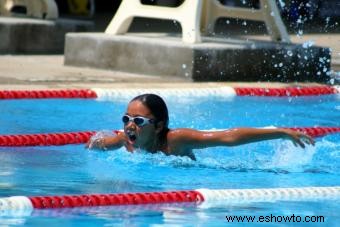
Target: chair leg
[(51, 9), (46, 9), (123, 18), (5, 7), (189, 15), (273, 21), (209, 17)]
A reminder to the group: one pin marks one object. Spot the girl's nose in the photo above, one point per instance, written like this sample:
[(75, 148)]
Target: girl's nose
[(131, 125)]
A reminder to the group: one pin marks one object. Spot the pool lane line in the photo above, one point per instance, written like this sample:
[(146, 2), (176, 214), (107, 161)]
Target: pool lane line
[(59, 139), (23, 205), (48, 94), (225, 92), (287, 91)]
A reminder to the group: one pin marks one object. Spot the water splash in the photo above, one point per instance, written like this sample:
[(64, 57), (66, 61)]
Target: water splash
[(299, 33), (282, 3), (308, 44), (287, 156), (270, 156), (95, 140)]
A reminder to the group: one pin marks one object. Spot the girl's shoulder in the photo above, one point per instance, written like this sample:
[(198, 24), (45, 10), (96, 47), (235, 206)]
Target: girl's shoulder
[(180, 134), (177, 142)]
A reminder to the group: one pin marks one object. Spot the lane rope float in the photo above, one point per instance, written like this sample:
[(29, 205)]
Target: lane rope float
[(22, 205), (47, 94), (225, 92), (58, 139)]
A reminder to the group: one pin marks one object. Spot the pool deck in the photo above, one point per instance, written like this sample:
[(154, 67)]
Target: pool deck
[(27, 72)]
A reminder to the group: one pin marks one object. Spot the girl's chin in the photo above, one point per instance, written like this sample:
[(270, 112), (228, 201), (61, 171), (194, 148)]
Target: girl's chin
[(133, 142), (132, 138)]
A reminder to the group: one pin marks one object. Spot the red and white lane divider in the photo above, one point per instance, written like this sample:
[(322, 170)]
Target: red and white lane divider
[(47, 94), (23, 205), (114, 94), (288, 91), (45, 139), (58, 139)]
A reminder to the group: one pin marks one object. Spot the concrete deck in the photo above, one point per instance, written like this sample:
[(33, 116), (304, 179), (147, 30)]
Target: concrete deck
[(214, 59), (28, 72), (48, 71), (35, 36)]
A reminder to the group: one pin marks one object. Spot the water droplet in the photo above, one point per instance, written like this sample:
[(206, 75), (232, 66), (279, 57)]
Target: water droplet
[(281, 64), (289, 53), (300, 33), (184, 66), (282, 4), (308, 44)]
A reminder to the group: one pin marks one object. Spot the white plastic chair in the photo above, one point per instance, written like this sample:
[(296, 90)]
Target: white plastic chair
[(197, 15), (188, 14), (268, 13), (44, 9)]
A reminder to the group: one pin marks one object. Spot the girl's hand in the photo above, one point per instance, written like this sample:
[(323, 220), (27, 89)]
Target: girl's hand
[(98, 143), (299, 138), (101, 140)]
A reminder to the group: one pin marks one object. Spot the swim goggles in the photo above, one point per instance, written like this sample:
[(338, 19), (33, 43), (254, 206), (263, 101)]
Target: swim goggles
[(139, 121)]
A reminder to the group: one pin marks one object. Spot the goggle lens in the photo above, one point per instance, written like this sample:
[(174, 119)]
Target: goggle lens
[(138, 121), (125, 119)]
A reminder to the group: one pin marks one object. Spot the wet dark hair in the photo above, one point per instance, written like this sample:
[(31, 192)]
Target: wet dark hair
[(156, 105), (158, 108)]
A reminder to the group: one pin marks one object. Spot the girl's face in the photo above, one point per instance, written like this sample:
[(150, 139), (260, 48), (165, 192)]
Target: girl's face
[(139, 135)]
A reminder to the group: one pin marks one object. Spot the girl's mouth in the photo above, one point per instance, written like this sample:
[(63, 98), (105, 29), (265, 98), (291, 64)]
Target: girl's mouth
[(131, 135)]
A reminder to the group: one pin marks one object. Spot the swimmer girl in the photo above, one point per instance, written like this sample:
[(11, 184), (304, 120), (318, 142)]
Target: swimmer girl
[(146, 127)]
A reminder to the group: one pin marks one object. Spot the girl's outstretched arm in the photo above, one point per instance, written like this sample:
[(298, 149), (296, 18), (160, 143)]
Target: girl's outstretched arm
[(108, 142), (195, 139)]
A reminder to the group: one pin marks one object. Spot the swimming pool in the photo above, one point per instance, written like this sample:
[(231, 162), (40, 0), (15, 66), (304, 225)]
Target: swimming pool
[(71, 169)]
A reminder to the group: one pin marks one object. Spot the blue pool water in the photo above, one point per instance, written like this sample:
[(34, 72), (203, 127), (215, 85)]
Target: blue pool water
[(72, 169)]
